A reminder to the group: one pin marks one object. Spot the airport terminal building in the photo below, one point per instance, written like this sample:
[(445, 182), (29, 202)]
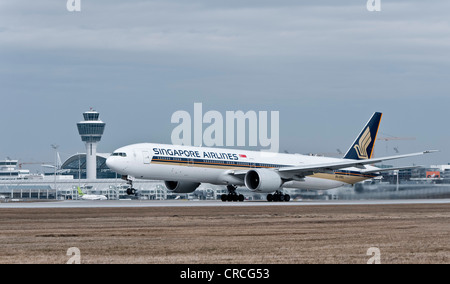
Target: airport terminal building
[(76, 166), (17, 183), (21, 184)]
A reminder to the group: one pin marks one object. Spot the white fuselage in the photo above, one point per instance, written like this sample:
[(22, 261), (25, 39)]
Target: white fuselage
[(93, 197), (218, 166)]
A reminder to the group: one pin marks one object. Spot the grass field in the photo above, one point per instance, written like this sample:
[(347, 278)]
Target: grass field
[(237, 235)]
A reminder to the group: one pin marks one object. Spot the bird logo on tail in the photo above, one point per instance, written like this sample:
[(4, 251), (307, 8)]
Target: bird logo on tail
[(363, 144)]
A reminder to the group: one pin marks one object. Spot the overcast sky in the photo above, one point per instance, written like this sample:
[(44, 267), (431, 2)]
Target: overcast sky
[(326, 66)]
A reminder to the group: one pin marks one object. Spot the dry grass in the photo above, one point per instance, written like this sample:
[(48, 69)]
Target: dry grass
[(263, 235)]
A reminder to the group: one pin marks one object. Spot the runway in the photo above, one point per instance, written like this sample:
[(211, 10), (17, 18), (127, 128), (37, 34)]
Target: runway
[(206, 203), (212, 232)]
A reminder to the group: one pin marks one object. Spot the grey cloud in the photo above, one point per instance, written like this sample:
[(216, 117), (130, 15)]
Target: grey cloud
[(311, 60)]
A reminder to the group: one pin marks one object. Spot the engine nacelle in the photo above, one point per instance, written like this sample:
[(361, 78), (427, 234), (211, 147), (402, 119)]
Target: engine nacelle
[(181, 186), (262, 180)]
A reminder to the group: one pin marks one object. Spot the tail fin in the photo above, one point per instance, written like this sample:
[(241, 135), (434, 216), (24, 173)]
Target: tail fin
[(364, 144), (80, 193)]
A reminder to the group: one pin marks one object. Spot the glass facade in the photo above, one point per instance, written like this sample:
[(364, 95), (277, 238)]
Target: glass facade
[(76, 166), (8, 163), (90, 116), (91, 132), (91, 129)]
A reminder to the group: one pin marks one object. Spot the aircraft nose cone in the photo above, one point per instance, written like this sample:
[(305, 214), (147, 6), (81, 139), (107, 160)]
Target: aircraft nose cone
[(111, 163), (117, 164)]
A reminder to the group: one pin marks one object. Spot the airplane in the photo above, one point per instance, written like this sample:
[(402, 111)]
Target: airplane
[(184, 168), (90, 196)]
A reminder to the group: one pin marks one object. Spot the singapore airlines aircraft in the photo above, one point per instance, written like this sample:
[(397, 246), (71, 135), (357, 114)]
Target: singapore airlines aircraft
[(183, 168)]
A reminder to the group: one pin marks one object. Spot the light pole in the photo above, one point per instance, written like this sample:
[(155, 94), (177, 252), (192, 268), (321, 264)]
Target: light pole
[(55, 147)]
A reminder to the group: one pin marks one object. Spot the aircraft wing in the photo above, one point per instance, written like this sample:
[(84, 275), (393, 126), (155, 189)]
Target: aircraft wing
[(379, 170), (305, 170), (345, 163)]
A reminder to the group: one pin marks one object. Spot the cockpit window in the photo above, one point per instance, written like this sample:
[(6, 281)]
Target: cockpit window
[(120, 154)]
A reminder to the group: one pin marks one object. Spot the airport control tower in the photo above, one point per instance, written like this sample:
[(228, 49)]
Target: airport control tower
[(91, 131)]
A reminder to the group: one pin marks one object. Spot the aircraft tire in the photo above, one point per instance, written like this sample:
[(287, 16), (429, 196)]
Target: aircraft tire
[(224, 197)]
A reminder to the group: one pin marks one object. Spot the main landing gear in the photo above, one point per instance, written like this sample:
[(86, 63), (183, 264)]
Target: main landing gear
[(232, 195), (278, 196)]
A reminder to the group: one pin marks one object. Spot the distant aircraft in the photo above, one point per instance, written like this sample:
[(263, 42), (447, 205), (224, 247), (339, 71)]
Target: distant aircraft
[(90, 196), (183, 168)]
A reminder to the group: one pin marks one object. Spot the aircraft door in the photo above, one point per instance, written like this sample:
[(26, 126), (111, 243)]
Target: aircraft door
[(146, 157)]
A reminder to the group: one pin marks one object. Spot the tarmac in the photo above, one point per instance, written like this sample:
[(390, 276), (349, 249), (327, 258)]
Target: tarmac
[(205, 203)]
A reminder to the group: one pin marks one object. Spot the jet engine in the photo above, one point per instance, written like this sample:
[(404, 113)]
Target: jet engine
[(181, 186), (263, 180)]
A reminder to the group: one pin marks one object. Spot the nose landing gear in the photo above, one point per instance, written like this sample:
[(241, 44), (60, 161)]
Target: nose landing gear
[(130, 190)]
